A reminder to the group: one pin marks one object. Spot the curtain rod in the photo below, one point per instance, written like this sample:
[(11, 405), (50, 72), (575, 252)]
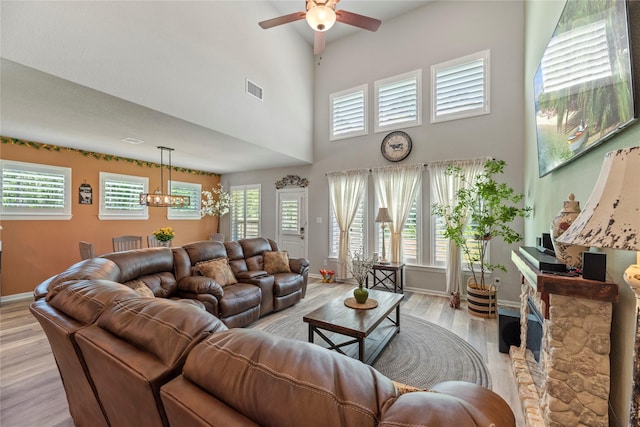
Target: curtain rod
[(435, 162)]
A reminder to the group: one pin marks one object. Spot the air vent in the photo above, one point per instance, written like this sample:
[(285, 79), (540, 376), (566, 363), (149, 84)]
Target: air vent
[(254, 90)]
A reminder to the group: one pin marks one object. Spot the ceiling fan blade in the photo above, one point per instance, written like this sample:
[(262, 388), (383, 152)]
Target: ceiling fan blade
[(356, 20), (318, 42), (285, 19)]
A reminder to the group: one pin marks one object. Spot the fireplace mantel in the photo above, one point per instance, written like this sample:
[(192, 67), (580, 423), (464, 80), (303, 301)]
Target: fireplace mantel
[(574, 366), (569, 286)]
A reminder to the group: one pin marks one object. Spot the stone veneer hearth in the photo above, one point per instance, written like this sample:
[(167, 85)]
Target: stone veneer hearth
[(570, 386)]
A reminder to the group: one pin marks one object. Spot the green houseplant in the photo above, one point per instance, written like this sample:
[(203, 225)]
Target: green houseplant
[(493, 206)]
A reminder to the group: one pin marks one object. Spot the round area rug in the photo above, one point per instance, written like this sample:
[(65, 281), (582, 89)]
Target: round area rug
[(421, 355)]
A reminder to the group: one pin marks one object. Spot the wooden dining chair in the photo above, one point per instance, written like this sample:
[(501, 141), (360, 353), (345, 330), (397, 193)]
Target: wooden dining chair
[(152, 242), (126, 243), (86, 250)]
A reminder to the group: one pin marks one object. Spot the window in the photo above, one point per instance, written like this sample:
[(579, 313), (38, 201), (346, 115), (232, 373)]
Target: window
[(460, 88), (120, 196), (398, 102), (357, 232), (441, 246), (348, 113), (185, 189), (35, 191), (411, 236), (245, 211)]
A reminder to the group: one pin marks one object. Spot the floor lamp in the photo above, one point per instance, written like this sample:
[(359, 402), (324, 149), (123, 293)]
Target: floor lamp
[(383, 218)]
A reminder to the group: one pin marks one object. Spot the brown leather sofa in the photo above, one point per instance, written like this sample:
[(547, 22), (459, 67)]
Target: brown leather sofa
[(127, 360), (257, 292)]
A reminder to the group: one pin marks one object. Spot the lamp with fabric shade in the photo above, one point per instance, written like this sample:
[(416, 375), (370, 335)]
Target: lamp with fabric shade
[(611, 217), (383, 218)]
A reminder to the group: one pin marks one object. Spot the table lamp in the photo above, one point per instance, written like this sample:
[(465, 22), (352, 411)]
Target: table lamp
[(611, 217), (383, 218)]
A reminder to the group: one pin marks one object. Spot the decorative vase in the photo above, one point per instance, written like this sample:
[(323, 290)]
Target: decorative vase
[(360, 294), (567, 253), (165, 243)]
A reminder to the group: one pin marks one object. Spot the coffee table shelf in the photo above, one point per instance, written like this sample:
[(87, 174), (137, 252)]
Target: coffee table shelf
[(370, 329)]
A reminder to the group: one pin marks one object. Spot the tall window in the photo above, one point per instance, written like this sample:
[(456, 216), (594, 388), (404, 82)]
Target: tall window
[(398, 101), (460, 88), (34, 191), (245, 211), (411, 236), (357, 232), (440, 246), (348, 113), (120, 196), (192, 211)]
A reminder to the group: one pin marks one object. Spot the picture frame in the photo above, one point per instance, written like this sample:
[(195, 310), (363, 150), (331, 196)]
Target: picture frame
[(584, 89)]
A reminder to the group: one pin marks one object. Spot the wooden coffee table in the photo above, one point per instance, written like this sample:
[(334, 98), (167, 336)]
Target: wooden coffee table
[(359, 324)]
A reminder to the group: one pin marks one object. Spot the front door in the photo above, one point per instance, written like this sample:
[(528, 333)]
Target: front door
[(292, 221)]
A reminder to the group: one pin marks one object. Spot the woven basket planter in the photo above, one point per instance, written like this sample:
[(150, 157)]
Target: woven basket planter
[(481, 302)]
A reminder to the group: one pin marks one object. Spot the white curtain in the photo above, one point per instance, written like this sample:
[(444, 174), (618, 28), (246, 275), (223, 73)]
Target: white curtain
[(396, 188), (443, 190), (345, 190)]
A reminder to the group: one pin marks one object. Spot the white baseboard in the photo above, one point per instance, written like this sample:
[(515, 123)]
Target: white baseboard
[(16, 297)]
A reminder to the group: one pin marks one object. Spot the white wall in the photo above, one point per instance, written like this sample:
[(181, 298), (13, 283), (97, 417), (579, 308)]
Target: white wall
[(185, 59), (429, 35)]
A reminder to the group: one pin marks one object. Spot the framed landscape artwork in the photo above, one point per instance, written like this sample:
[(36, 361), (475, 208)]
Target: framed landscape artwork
[(584, 86)]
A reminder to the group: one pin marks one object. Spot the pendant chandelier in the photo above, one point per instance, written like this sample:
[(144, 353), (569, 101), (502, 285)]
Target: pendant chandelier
[(158, 198)]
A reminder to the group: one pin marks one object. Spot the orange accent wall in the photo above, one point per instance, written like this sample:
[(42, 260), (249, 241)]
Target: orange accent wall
[(32, 251)]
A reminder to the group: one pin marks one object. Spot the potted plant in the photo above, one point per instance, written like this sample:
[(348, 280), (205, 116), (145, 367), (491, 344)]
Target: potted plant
[(216, 203), (493, 206), (359, 267), (164, 235)]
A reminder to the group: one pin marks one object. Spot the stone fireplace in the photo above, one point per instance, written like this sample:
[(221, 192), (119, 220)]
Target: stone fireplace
[(570, 384)]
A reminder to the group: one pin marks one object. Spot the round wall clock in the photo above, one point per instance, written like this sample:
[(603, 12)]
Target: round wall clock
[(396, 146)]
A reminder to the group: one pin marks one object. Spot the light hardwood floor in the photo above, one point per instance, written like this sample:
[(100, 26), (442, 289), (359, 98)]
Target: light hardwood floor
[(31, 393)]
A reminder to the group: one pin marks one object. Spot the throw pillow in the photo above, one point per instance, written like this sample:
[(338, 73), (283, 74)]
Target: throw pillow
[(218, 269), (276, 262), (140, 287), (404, 388)]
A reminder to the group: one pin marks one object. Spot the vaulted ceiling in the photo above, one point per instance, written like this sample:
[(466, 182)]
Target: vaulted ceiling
[(89, 74)]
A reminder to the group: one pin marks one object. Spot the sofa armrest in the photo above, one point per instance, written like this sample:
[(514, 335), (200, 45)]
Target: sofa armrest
[(299, 265), (243, 276), (200, 285)]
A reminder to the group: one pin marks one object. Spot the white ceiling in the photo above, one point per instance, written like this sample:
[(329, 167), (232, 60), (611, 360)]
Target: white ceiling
[(40, 107)]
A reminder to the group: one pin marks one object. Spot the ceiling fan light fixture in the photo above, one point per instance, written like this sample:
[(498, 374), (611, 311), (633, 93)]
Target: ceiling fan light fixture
[(321, 18)]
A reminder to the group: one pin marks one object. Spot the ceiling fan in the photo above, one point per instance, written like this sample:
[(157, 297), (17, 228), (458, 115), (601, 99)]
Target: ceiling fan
[(321, 15)]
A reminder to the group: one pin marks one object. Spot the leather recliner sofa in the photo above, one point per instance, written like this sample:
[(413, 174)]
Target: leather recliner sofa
[(128, 360), (161, 362)]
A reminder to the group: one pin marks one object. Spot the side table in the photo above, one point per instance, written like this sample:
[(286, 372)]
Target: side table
[(390, 276)]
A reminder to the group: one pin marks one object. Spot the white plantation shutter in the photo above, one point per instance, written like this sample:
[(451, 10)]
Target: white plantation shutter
[(120, 196), (398, 101), (441, 244), (289, 217), (357, 231), (193, 191), (245, 211), (35, 191), (460, 88), (348, 113)]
